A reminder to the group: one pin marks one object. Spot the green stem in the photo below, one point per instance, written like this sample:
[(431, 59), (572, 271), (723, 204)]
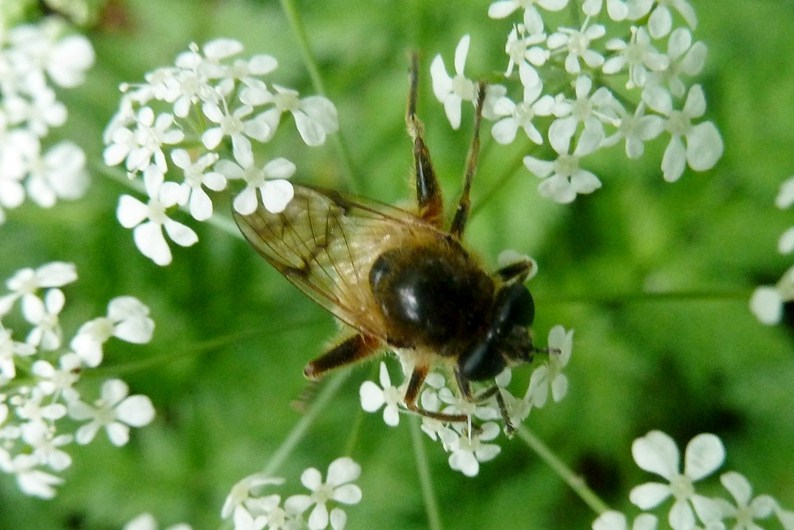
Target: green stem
[(310, 62), (299, 430), (576, 482), (425, 479)]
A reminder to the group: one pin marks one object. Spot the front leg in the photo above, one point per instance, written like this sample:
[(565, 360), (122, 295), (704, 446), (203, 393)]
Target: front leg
[(428, 193)]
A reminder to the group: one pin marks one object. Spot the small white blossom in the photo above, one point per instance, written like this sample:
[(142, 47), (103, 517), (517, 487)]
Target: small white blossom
[(197, 176), (468, 449), (766, 302), (639, 56), (46, 446), (337, 487), (59, 174), (149, 220), (139, 146), (548, 377), (523, 50), (373, 397), (636, 129), (657, 453), (563, 179), (268, 181), (46, 332), (512, 115), (684, 58), (315, 116), (231, 123), (591, 110), (577, 43), (703, 141), (746, 508), (31, 481), (25, 282), (127, 319), (452, 91), (115, 411), (244, 504), (617, 10), (58, 381)]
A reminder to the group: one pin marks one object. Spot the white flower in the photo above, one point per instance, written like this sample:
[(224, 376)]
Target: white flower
[(115, 411), (46, 332), (639, 55), (577, 42), (521, 114), (269, 181), (469, 449), (59, 174), (563, 179), (149, 220), (548, 377), (196, 176), (785, 196), (58, 381), (25, 282), (452, 91), (747, 509), (337, 488), (523, 51), (31, 481), (703, 141), (591, 110), (684, 58), (612, 520), (46, 446), (127, 319), (139, 146), (657, 453), (533, 20), (636, 129), (315, 116), (241, 503), (374, 397), (231, 123)]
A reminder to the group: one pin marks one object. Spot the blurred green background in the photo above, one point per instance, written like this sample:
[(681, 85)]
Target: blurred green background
[(232, 336)]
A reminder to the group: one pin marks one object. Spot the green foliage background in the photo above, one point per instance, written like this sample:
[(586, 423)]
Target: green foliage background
[(232, 336)]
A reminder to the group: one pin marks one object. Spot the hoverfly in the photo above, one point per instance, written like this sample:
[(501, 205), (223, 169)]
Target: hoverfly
[(400, 279)]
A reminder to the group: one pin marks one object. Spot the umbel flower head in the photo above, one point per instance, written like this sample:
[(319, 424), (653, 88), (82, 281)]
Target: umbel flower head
[(230, 110), (42, 411), (641, 50), (35, 60)]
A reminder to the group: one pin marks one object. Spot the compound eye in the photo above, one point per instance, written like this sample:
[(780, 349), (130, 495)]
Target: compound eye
[(481, 362), (514, 306)]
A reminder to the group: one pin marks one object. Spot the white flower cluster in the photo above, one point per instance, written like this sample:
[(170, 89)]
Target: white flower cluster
[(41, 409), (468, 444), (196, 122), (657, 453), (251, 509), (767, 300), (619, 76), (34, 58)]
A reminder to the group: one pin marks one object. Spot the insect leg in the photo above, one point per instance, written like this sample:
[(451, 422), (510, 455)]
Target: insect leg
[(412, 393), (465, 390), (428, 192), (352, 350), (462, 212)]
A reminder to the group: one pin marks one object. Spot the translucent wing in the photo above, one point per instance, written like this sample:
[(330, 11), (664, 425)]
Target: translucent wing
[(325, 242)]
